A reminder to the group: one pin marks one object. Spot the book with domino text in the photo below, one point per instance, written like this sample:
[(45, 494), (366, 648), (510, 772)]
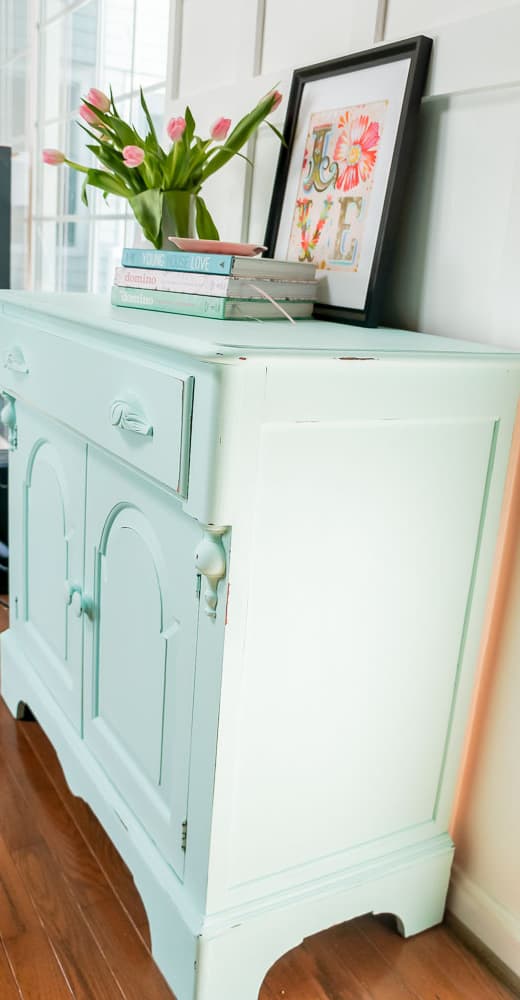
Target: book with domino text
[(209, 306), (226, 285)]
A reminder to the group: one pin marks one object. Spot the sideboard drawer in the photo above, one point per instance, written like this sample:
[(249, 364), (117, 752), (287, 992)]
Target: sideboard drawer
[(139, 410)]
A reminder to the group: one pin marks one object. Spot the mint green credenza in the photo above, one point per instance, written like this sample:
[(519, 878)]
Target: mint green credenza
[(249, 568)]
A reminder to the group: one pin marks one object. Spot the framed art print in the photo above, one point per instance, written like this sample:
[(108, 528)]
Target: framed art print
[(340, 180)]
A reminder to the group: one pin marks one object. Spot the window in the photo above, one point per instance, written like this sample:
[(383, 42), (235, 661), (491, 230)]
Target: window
[(14, 95), (81, 44)]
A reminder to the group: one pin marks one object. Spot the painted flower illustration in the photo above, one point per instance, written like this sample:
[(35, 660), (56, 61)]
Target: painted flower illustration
[(356, 152), (303, 209)]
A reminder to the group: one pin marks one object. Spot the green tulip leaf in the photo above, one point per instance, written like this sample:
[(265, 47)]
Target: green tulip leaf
[(84, 196), (92, 135), (147, 208), (113, 104), (126, 135), (206, 228), (106, 182), (190, 127), (277, 133), (151, 125)]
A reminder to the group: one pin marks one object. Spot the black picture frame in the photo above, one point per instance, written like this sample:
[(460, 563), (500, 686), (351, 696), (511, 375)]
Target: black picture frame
[(392, 78)]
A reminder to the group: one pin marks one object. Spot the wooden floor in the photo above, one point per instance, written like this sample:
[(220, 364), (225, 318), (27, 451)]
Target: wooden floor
[(72, 923)]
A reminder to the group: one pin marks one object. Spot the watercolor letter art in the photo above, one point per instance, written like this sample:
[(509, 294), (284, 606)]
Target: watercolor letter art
[(334, 187)]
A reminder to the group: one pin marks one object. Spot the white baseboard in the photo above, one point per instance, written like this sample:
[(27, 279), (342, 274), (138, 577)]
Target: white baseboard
[(495, 927)]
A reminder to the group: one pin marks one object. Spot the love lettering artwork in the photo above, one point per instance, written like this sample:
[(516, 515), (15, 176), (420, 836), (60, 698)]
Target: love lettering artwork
[(336, 180)]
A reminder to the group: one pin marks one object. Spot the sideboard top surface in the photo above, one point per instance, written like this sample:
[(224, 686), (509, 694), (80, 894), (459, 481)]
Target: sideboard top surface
[(228, 340)]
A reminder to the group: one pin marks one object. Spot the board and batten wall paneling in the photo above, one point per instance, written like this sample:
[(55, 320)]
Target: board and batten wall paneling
[(224, 57), (297, 34), (210, 49), (453, 268), (419, 17), (452, 271)]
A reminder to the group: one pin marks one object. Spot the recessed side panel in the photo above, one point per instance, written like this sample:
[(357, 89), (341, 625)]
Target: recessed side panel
[(353, 647)]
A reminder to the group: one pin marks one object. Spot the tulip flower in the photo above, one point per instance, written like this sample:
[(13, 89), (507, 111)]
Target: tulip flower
[(98, 99), (53, 156), (90, 116), (175, 128), (133, 156), (220, 129), (157, 183)]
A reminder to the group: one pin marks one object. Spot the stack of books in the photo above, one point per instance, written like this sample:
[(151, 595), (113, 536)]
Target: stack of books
[(218, 286)]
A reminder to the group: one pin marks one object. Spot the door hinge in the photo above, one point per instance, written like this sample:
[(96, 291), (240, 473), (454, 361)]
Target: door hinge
[(197, 587), (184, 835)]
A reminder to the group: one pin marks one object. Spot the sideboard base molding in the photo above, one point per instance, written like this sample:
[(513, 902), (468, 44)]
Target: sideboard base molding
[(233, 964), (219, 960)]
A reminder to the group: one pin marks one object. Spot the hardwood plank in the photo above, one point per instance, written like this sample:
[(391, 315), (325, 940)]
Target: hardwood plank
[(130, 961), (414, 962), (84, 964), (469, 975), (266, 993), (23, 939), (39, 799), (481, 954), (333, 978), (376, 978), (17, 914), (108, 858), (349, 967), (39, 977), (292, 978), (4, 613), (8, 988), (15, 827), (60, 878)]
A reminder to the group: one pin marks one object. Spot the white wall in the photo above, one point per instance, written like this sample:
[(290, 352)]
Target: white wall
[(455, 271)]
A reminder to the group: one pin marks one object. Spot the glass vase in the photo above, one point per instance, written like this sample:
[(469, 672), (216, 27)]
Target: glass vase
[(178, 216)]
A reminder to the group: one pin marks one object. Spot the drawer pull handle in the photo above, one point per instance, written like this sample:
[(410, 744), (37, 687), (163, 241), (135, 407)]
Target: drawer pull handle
[(15, 361), (128, 418)]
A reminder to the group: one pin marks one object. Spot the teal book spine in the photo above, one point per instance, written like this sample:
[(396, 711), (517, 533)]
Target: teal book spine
[(210, 306), (170, 260)]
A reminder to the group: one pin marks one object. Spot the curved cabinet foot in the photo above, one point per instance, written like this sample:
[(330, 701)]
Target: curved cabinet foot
[(424, 910), (232, 962)]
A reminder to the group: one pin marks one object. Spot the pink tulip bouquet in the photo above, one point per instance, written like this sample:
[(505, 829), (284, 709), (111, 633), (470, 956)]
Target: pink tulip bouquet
[(161, 186)]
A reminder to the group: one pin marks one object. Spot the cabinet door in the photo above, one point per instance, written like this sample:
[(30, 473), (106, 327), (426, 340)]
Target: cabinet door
[(47, 498), (140, 644)]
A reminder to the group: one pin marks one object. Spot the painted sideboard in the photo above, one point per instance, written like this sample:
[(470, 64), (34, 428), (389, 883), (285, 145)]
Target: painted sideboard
[(249, 573)]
